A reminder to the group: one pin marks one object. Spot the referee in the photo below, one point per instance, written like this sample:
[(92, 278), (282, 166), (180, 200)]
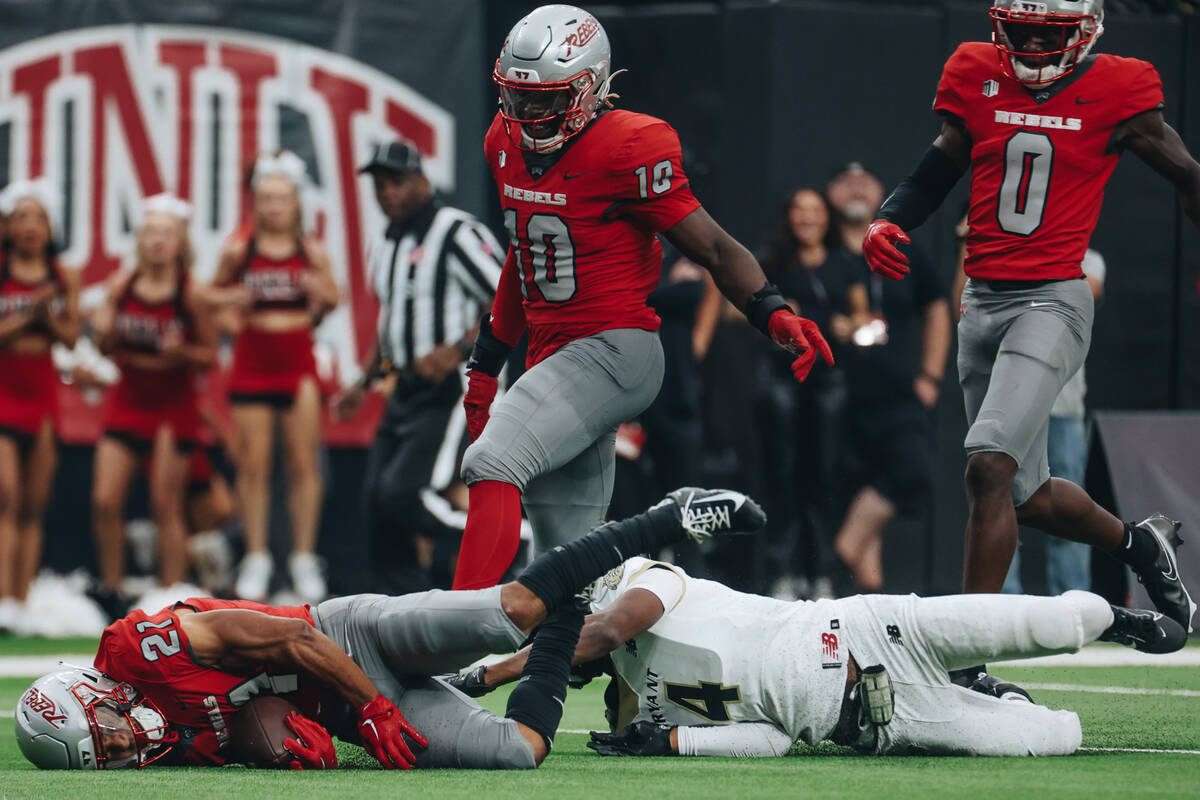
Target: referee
[(434, 272)]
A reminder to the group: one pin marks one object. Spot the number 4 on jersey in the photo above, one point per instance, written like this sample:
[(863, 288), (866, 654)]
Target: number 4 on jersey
[(708, 700)]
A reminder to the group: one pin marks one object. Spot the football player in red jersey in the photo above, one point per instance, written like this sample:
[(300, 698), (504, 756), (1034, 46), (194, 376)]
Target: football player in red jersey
[(1041, 125), (165, 686), (585, 191)]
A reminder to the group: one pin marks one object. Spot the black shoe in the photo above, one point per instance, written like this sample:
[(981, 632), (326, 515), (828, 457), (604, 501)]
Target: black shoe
[(1161, 578), (994, 687), (706, 512), (1148, 631)]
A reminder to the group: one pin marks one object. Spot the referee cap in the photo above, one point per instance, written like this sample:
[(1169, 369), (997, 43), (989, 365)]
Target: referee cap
[(394, 156)]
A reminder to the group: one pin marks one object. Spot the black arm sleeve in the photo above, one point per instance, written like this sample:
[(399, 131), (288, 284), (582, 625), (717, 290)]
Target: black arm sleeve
[(923, 191), (489, 353)]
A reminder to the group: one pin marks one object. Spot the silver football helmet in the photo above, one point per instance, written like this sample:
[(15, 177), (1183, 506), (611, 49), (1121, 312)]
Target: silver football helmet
[(1040, 41), (553, 73), (80, 718)]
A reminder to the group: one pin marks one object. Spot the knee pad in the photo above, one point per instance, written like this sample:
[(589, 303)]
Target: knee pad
[(1094, 612), (482, 463), (1055, 625)]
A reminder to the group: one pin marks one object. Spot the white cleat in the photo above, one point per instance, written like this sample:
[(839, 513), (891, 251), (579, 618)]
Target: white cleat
[(254, 577)]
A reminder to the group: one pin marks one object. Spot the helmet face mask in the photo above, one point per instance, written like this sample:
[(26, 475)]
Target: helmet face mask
[(82, 719), (552, 75), (1040, 42)]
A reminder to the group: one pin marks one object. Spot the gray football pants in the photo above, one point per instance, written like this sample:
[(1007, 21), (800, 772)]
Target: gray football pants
[(400, 642), (1016, 351), (553, 434)]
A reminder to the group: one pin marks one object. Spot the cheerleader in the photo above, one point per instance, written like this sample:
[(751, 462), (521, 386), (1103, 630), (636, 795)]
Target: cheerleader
[(285, 285), (150, 326), (39, 305)]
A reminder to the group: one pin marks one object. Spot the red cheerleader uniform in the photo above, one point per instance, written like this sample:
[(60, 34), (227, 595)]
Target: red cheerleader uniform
[(269, 365), (145, 399), (28, 381)]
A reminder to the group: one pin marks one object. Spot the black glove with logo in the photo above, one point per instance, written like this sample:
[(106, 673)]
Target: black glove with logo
[(638, 739), (471, 684)]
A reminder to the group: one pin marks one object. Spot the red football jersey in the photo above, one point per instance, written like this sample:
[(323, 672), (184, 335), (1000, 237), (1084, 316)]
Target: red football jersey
[(585, 230), (1040, 159), (151, 652)]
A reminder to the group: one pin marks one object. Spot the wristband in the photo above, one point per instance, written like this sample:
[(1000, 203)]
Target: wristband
[(762, 304), (489, 353)]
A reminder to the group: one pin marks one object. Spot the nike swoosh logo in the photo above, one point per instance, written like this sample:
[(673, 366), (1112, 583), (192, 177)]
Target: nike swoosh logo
[(1083, 102), (567, 177)]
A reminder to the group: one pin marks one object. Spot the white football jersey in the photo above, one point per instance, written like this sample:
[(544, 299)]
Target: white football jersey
[(718, 655)]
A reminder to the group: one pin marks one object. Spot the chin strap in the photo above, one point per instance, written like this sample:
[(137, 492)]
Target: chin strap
[(605, 94)]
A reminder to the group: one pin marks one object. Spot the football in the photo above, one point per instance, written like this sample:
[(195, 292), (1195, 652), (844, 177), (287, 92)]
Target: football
[(258, 731)]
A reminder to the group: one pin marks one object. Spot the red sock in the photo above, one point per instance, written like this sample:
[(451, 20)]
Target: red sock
[(493, 532)]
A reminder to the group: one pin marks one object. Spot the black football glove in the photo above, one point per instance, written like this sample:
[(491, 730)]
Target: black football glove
[(582, 674), (472, 684), (638, 739)]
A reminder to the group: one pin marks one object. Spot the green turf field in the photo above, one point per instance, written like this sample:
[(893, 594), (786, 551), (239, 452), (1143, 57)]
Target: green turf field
[(1147, 721)]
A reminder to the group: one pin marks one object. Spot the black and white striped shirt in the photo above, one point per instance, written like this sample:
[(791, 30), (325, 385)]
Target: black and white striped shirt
[(432, 274)]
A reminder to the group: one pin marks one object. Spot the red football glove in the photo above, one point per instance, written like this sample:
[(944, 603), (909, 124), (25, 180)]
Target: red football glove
[(880, 251), (313, 748), (481, 391), (800, 336), (382, 729)]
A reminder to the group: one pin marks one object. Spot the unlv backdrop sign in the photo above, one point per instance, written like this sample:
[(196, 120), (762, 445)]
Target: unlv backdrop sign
[(116, 114)]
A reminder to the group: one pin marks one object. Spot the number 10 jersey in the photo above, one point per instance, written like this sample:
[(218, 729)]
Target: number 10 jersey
[(1039, 158), (582, 234)]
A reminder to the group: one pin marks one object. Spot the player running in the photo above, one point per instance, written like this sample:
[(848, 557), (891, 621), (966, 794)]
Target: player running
[(703, 670), (165, 686), (584, 190), (1041, 128)]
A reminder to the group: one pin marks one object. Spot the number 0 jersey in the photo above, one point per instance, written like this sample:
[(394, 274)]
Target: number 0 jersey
[(151, 652), (1040, 159), (583, 233), (719, 656)]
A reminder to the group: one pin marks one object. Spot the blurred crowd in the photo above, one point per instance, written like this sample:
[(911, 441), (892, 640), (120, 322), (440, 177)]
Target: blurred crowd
[(835, 460)]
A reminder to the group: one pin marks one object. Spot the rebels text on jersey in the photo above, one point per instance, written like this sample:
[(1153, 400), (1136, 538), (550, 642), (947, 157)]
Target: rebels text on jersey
[(152, 653), (584, 233), (1040, 159)]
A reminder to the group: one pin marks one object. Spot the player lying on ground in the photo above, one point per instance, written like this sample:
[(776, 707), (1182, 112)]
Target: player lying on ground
[(704, 670), (166, 686), (1041, 125)]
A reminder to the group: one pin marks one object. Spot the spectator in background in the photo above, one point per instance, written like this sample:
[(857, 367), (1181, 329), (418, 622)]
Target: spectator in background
[(804, 261), (661, 450), (1068, 564), (154, 326), (284, 284), (39, 305), (895, 369), (434, 271)]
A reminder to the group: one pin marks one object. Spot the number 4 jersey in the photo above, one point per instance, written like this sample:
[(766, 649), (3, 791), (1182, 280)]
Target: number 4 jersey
[(152, 653), (1040, 158), (582, 233), (719, 656)]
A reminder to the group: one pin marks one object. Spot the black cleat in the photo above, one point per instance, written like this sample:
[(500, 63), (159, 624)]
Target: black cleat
[(1147, 631), (994, 687), (1161, 578), (704, 513)]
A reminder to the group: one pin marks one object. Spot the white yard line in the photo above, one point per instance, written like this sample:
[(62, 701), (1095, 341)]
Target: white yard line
[(32, 666), (1072, 687), (1113, 656), (1136, 750)]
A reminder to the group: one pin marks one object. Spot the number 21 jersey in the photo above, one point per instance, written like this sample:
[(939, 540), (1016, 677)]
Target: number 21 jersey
[(1040, 159), (583, 232)]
